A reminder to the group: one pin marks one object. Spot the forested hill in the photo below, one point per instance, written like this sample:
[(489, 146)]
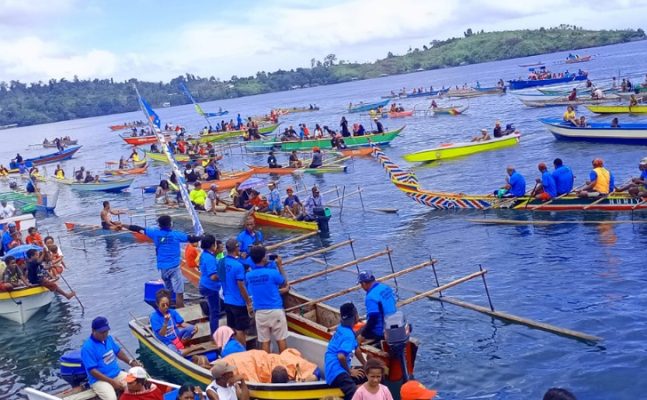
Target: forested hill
[(57, 100)]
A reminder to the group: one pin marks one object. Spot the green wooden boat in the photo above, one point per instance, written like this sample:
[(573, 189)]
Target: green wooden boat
[(213, 137), (381, 139)]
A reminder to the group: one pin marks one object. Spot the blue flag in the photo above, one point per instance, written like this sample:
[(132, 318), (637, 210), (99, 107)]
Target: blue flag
[(155, 119)]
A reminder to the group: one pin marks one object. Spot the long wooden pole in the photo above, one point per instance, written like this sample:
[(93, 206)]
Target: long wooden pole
[(314, 253), (292, 240), (340, 266), (357, 287), (521, 222), (441, 288), (577, 189)]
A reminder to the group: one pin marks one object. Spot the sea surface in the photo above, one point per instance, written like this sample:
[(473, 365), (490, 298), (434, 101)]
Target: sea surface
[(586, 277)]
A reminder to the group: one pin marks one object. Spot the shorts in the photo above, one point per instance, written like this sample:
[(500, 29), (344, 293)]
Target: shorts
[(271, 323), (544, 196), (237, 317), (105, 225), (105, 391), (173, 279)]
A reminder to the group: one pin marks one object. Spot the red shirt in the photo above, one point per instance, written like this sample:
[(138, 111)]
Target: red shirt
[(190, 255), (34, 239), (154, 393)]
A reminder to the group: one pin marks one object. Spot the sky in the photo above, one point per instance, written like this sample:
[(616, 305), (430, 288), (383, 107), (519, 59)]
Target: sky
[(157, 40)]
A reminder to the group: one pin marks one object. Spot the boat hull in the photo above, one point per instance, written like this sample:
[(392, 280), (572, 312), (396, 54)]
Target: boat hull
[(368, 107), (450, 110), (52, 145), (577, 60), (129, 171), (462, 149), (21, 304), (110, 187), (400, 114), (97, 231), (603, 133), (352, 141), (228, 181), (213, 137), (226, 219), (275, 221), (640, 109), (259, 169), (52, 158), (523, 84)]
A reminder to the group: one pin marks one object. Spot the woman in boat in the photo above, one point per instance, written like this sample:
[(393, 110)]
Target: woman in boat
[(294, 160), (168, 325), (317, 158), (573, 95), (189, 392), (225, 341), (318, 132), (570, 116), (343, 124), (209, 281), (162, 193)]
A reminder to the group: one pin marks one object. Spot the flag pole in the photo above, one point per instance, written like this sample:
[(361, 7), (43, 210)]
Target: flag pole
[(195, 104)]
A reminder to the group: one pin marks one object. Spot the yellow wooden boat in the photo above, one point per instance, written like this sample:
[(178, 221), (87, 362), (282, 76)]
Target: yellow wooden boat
[(639, 109), (453, 150), (19, 305), (276, 221)]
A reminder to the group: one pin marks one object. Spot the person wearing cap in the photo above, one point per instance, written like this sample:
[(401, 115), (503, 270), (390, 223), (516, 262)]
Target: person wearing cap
[(99, 355), (340, 351), (237, 303), (414, 390), (265, 285), (379, 302), (7, 236), (546, 188), (6, 210), (484, 136), (274, 199), (169, 254), (563, 177), (213, 203), (271, 161), (314, 201), (138, 386), (600, 183), (515, 185), (198, 196), (226, 385), (638, 186), (292, 207)]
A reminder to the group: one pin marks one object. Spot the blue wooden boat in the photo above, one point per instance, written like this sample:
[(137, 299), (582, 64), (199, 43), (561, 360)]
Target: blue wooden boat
[(66, 154), (111, 186), (361, 107), (518, 84), (427, 94), (626, 133)]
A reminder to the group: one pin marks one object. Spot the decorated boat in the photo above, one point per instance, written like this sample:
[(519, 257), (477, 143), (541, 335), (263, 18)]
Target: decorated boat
[(629, 133), (66, 154), (215, 136), (351, 141), (73, 371), (52, 145), (160, 157), (260, 169), (450, 110), (110, 186), (229, 180), (356, 152), (407, 182), (28, 203), (365, 107), (293, 110), (517, 84), (96, 231), (453, 150), (277, 221), (135, 170), (624, 109), (19, 305)]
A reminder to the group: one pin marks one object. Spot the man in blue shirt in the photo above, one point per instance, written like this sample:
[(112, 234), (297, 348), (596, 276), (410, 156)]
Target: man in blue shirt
[(246, 239), (99, 355), (274, 199), (380, 303), (265, 286), (638, 186), (563, 177), (167, 248), (340, 351), (515, 184), (546, 188), (7, 236), (238, 304)]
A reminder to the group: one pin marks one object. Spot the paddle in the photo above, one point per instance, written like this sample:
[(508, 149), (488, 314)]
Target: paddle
[(532, 195), (577, 189), (77, 297)]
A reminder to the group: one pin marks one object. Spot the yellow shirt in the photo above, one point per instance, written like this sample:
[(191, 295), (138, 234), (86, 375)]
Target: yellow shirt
[(135, 157), (603, 180), (198, 196), (569, 115), (60, 174)]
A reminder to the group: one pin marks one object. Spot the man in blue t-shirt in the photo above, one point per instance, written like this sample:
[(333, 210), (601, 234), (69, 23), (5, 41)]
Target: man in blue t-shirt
[(238, 304), (515, 184), (7, 236), (340, 351), (265, 286), (380, 303), (169, 254), (638, 186), (563, 177), (248, 238), (99, 355), (546, 188)]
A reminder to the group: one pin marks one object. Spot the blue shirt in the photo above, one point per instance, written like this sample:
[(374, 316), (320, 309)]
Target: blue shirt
[(517, 184), (208, 267), (274, 201), (270, 264), (234, 273), (380, 302), (548, 183), (563, 177), (263, 285), (289, 202), (342, 342), (167, 246), (6, 239), (157, 322), (101, 356), (246, 240), (232, 346), (593, 176)]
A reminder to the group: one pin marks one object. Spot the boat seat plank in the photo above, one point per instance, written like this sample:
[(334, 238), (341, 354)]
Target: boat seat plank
[(191, 313), (84, 395)]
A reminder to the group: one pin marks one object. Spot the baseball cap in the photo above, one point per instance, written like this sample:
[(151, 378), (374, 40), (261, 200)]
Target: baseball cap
[(365, 276), (347, 312), (100, 324), (414, 390), (136, 373), (11, 225), (220, 367)]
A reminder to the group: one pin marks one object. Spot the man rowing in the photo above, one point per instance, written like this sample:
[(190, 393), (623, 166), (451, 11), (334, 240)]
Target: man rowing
[(600, 183), (515, 184), (563, 177), (638, 186), (546, 188), (106, 219)]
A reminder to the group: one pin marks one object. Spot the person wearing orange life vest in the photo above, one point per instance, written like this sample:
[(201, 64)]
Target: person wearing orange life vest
[(600, 183)]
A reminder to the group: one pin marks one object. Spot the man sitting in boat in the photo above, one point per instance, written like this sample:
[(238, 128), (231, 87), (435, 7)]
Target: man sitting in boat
[(37, 275), (99, 355), (360, 130), (497, 132), (198, 196), (379, 302), (274, 199), (484, 136), (569, 115), (340, 351), (582, 122), (294, 160), (601, 181), (292, 207), (106, 220), (515, 184), (3, 170), (271, 160), (168, 325), (6, 210), (226, 385), (573, 95), (638, 186), (379, 128), (546, 188), (138, 386), (213, 203), (315, 201), (597, 94), (615, 123), (317, 158), (12, 277), (563, 177)]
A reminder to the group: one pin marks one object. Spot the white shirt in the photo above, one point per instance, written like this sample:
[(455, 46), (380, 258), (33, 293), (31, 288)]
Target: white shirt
[(224, 393), (8, 211), (212, 199)]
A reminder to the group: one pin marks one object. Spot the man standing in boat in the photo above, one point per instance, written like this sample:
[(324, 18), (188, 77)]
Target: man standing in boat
[(248, 237), (167, 248), (380, 303), (238, 304)]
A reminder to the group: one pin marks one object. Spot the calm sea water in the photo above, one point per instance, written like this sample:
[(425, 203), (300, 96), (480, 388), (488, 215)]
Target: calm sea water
[(584, 277)]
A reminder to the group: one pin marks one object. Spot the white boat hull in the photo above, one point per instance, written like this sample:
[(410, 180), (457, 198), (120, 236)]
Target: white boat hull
[(20, 305), (600, 135)]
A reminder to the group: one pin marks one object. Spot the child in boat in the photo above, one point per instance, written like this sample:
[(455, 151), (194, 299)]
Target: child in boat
[(34, 237), (55, 261), (191, 255), (12, 277), (37, 275), (373, 389)]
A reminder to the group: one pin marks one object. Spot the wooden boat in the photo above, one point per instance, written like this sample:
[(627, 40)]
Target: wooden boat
[(361, 107), (352, 141), (628, 133), (450, 110), (113, 186), (453, 150), (161, 157), (293, 110), (137, 170), (357, 152), (215, 136), (83, 392), (48, 158), (66, 143), (475, 92), (230, 218), (561, 101), (27, 203), (408, 183), (276, 221), (580, 91), (432, 93), (517, 84), (625, 109), (121, 127), (535, 64), (141, 140), (400, 114), (97, 231), (577, 60), (260, 169), (313, 349), (19, 305), (23, 223), (229, 180)]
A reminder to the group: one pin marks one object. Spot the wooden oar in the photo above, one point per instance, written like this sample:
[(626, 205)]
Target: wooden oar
[(493, 221), (292, 240), (441, 288), (379, 210), (77, 297), (340, 266), (319, 251), (577, 189), (335, 161)]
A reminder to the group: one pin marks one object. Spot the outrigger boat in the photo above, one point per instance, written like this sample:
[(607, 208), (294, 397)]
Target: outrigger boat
[(215, 136), (362, 107), (113, 186), (634, 133), (97, 231), (52, 144), (351, 141), (625, 109), (400, 114), (19, 305), (450, 110), (30, 203), (562, 101), (408, 183), (260, 169), (453, 150), (230, 218), (73, 372), (277, 221), (66, 154), (141, 140), (136, 170), (518, 84)]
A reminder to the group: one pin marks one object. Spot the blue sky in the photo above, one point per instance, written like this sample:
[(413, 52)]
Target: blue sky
[(158, 40)]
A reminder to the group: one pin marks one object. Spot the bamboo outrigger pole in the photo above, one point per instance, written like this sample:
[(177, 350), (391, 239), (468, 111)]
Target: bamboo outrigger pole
[(314, 253), (292, 240), (340, 266)]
